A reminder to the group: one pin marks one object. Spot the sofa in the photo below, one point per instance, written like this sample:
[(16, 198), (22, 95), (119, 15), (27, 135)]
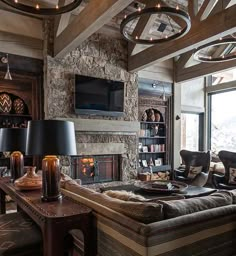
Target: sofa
[(203, 226)]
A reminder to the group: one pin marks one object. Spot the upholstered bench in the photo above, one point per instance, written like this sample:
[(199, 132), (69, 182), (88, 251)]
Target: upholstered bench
[(19, 235)]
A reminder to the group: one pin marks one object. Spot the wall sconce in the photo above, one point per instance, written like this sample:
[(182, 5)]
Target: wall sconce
[(163, 97), (6, 61)]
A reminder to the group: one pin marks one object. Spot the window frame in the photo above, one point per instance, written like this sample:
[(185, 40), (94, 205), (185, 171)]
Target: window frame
[(200, 128)]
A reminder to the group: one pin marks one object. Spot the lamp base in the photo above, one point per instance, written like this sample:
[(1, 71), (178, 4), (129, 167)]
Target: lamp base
[(51, 179), (16, 165), (50, 199)]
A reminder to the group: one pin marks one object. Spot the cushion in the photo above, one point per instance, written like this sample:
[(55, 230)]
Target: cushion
[(232, 175), (140, 211), (193, 171), (124, 195), (19, 234), (177, 208)]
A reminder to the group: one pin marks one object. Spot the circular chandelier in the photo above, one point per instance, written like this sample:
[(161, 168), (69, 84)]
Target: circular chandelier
[(200, 53), (38, 9), (168, 11)]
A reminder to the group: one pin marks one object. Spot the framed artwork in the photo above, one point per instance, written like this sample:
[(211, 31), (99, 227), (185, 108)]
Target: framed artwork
[(144, 163), (145, 149), (158, 162)]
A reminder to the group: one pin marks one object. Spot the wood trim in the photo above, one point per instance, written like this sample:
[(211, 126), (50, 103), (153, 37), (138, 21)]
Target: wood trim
[(101, 125), (221, 87)]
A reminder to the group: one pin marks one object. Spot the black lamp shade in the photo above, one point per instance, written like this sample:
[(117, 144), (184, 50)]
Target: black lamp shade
[(13, 139), (50, 137)]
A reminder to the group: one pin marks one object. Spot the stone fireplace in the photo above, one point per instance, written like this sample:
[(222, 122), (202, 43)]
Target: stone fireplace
[(95, 169), (116, 137)]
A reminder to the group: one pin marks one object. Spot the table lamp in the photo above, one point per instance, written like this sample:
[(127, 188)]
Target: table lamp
[(50, 138), (14, 139)]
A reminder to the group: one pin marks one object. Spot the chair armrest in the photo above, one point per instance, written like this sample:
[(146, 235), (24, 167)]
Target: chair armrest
[(217, 178)]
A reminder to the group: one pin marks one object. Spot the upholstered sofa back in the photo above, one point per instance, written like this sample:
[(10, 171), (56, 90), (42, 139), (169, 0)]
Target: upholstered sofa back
[(204, 232)]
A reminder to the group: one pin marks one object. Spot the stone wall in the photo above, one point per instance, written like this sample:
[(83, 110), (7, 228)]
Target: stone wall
[(102, 57)]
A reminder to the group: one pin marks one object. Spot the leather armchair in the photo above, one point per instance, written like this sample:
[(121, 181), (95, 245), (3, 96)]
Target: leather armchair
[(199, 160), (228, 159)]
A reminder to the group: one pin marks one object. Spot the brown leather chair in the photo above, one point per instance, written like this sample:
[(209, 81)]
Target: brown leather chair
[(226, 181), (195, 167)]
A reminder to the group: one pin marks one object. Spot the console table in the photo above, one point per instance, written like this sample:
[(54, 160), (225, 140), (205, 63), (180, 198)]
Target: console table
[(55, 219)]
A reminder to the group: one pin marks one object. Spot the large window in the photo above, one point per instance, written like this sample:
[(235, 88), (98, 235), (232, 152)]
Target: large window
[(191, 131), (222, 121)]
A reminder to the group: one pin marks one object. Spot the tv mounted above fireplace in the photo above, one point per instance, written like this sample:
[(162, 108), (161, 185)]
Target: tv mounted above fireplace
[(96, 96)]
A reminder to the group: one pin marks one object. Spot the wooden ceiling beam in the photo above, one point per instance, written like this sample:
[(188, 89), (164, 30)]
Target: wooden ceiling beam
[(206, 8), (183, 59), (203, 69), (219, 25), (20, 25), (192, 8), (92, 18), (221, 5), (21, 45), (143, 26), (62, 21)]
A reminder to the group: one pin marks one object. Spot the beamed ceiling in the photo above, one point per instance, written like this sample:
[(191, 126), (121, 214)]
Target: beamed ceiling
[(21, 33)]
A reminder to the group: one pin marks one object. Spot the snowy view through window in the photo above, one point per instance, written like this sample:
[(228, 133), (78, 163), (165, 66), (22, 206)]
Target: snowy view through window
[(223, 122)]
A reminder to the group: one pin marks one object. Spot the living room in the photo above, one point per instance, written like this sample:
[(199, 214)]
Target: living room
[(164, 104)]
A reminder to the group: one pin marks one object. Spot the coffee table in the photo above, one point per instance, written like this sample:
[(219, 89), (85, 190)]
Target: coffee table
[(189, 192)]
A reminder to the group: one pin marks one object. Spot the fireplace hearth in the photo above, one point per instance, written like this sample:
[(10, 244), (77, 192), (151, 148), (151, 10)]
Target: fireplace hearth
[(95, 169)]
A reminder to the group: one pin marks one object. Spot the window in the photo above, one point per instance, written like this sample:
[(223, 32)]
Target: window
[(191, 131), (222, 122)]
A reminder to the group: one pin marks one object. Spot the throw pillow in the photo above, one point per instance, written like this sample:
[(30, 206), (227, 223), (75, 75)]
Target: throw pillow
[(194, 171), (124, 195), (232, 175), (177, 208)]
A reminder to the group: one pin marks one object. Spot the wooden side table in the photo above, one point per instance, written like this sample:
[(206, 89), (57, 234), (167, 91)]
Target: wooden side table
[(55, 219)]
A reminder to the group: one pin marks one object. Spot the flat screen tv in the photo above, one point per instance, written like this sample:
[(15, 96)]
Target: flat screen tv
[(96, 96)]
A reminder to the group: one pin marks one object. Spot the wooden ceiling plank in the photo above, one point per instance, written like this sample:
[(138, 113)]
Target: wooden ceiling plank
[(62, 21), (91, 18), (219, 25), (20, 25), (21, 45), (206, 9), (203, 69)]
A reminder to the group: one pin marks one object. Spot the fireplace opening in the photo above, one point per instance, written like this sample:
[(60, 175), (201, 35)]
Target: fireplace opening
[(94, 169)]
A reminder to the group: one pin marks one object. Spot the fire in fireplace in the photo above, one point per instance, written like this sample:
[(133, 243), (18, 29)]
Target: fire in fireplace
[(94, 169)]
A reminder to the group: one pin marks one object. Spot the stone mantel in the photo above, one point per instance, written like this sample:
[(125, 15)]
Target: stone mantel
[(100, 148), (101, 125)]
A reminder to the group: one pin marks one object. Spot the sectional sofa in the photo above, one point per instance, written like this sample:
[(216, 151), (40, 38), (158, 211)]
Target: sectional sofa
[(203, 226)]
